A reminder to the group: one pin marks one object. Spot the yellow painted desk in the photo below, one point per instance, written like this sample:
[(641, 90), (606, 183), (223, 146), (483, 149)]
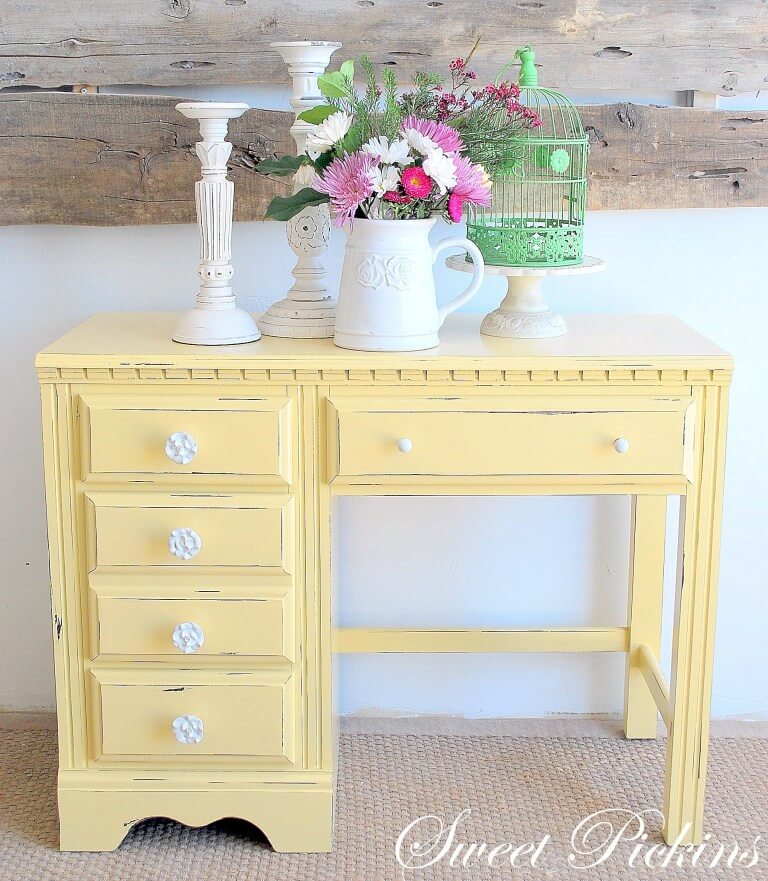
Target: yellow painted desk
[(189, 494)]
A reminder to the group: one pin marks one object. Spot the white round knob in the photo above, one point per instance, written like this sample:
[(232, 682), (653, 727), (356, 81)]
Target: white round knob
[(405, 445), (188, 729), (188, 637), (621, 445), (181, 448), (184, 543)]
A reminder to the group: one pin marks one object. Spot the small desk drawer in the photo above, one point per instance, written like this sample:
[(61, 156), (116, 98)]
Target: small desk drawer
[(204, 436), (496, 437), (250, 714), (190, 628), (154, 529)]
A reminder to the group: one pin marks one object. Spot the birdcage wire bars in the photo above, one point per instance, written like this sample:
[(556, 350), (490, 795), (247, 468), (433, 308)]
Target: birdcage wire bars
[(539, 186)]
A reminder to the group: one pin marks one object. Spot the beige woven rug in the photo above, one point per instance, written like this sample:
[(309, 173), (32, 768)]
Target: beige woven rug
[(518, 789)]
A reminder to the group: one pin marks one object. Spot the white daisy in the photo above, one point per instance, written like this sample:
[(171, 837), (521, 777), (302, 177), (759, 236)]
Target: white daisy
[(304, 176), (384, 178), (421, 143), (442, 170), (397, 152), (328, 133)]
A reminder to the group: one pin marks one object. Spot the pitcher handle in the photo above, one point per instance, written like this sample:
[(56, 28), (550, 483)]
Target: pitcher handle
[(477, 275)]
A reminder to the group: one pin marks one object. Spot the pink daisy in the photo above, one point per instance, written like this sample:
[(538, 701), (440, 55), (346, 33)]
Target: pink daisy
[(347, 181), (396, 198), (443, 135), (472, 184), (416, 182)]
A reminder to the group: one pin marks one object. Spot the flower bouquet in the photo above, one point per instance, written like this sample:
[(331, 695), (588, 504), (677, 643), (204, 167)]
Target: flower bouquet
[(388, 163), (382, 154)]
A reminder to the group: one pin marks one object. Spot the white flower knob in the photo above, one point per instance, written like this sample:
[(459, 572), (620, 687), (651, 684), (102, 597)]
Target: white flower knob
[(184, 543), (181, 448), (405, 445), (188, 729), (621, 445), (188, 637)]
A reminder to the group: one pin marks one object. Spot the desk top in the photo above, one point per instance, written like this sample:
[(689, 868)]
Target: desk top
[(142, 340)]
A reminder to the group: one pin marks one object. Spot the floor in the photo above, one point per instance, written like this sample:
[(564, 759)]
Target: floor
[(520, 782)]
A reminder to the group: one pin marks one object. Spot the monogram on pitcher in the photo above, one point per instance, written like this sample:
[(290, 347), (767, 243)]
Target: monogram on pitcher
[(388, 164)]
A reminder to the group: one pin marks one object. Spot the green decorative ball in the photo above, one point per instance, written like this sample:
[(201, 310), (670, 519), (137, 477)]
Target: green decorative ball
[(559, 160)]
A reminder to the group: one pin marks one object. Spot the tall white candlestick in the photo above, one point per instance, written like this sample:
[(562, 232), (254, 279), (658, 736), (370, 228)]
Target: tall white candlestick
[(308, 310), (215, 320)]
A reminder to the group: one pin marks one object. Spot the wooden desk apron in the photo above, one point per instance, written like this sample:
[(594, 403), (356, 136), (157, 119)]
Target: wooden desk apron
[(189, 493)]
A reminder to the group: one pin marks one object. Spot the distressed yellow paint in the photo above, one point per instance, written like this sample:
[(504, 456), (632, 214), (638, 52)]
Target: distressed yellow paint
[(282, 427), (646, 587), (552, 639), (657, 685)]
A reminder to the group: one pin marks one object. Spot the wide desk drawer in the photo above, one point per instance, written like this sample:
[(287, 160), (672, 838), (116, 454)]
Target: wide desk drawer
[(169, 529), (194, 435), (181, 628), (193, 715), (495, 436)]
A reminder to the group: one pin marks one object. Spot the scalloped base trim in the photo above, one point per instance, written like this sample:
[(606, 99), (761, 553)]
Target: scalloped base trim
[(295, 817)]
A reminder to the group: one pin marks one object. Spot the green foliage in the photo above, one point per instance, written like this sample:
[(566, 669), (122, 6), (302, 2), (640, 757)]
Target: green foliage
[(283, 166), (392, 115), (347, 70), (286, 207), (334, 85), (323, 161), (316, 115)]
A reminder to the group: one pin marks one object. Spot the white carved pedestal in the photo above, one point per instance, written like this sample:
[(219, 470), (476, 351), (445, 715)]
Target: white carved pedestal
[(308, 311), (524, 314), (215, 320)]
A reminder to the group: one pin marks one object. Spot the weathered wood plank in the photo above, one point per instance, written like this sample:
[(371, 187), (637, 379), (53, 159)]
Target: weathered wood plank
[(112, 160), (715, 46), (676, 157)]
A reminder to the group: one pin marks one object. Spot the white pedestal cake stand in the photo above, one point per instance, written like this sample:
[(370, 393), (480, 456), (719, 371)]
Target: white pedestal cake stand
[(524, 314)]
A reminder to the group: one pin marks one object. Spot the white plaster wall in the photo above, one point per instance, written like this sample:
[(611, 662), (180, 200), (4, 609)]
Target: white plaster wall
[(421, 561)]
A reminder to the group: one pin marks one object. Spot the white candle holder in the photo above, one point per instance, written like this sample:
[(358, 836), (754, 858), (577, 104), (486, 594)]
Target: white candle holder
[(308, 311), (215, 320), (524, 313)]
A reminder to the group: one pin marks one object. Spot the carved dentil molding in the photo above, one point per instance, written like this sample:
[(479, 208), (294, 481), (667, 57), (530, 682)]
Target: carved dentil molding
[(384, 376)]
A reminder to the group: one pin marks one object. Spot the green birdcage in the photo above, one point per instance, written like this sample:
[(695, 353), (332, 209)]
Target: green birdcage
[(539, 185)]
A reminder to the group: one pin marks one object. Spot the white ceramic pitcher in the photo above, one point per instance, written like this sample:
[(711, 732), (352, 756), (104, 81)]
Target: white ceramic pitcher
[(387, 300)]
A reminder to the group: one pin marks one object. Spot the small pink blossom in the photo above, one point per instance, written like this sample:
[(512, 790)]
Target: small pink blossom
[(455, 207), (444, 136), (396, 198), (416, 182), (348, 182)]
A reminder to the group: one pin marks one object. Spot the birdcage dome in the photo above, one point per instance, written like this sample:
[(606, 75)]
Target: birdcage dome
[(539, 184)]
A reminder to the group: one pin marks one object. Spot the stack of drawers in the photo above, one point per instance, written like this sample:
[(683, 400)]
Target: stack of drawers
[(190, 613)]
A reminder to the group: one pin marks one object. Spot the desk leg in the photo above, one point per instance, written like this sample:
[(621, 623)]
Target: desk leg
[(693, 646), (646, 587)]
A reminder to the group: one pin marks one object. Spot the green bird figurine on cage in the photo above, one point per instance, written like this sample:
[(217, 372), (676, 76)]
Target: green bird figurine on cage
[(539, 184)]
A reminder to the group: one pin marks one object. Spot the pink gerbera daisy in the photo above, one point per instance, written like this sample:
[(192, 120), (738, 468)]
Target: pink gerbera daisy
[(443, 135), (472, 184), (348, 182), (416, 182)]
